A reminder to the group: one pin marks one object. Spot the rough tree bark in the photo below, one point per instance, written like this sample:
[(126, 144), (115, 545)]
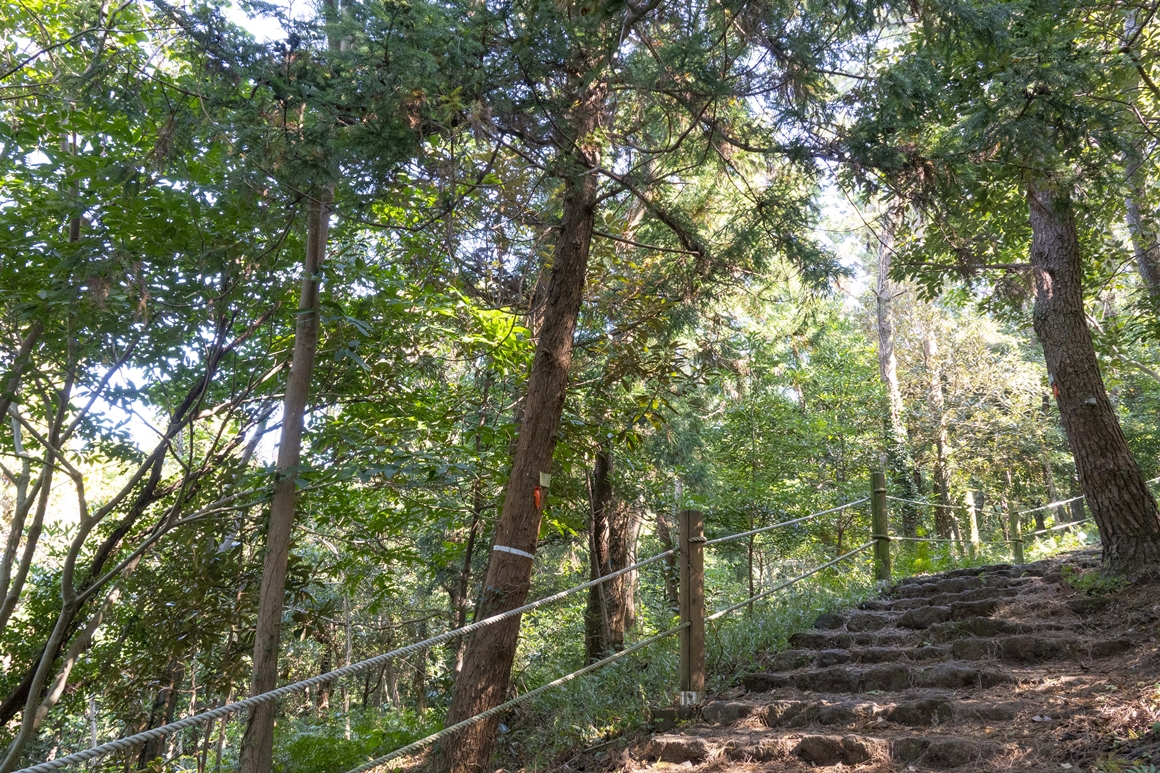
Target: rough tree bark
[(258, 742), (664, 532), (623, 542), (1121, 504), (322, 694), (598, 634), (164, 707), (487, 663), (897, 449), (613, 532)]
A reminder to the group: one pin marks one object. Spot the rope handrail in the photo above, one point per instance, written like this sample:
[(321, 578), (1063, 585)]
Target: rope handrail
[(121, 744), (788, 583), (1057, 527), (730, 537), (946, 539), (1050, 505), (1069, 501), (924, 504), (423, 742)]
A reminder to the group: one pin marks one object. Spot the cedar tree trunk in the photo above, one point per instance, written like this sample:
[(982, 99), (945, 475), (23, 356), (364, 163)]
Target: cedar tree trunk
[(487, 663)]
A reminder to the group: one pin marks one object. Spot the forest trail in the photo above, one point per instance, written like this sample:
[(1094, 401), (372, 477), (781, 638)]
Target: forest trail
[(991, 668)]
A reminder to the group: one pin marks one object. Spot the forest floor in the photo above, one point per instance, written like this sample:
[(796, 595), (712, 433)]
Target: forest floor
[(1041, 667)]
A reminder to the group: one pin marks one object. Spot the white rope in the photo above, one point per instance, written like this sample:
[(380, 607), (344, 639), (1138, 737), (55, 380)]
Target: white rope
[(892, 538), (1058, 527), (730, 537), (208, 716), (788, 583), (1050, 505), (924, 504), (1069, 501), (423, 742)]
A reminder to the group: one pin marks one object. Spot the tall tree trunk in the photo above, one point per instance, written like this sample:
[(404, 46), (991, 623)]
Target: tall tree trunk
[(897, 442), (1144, 239), (483, 682), (624, 531), (322, 695), (1076, 507), (609, 613), (346, 662), (664, 532), (258, 743), (597, 617), (1115, 489), (942, 515), (222, 736), (1145, 242), (973, 517), (164, 707)]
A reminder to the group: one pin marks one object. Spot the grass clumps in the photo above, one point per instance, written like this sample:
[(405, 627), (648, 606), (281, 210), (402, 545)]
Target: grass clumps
[(1095, 582)]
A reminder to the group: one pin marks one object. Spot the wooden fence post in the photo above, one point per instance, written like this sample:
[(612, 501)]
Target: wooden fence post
[(881, 525), (692, 603), (1016, 531)]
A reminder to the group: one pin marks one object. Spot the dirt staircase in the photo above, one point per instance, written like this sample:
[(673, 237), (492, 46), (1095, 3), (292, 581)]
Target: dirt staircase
[(991, 668)]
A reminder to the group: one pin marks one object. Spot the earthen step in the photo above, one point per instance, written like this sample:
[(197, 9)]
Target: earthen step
[(817, 640), (985, 627), (887, 677), (889, 607), (934, 751), (924, 617), (927, 589), (970, 571), (1036, 569), (944, 599), (1029, 648), (913, 708), (936, 633), (790, 660)]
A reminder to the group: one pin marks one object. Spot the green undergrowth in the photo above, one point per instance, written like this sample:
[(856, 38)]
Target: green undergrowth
[(910, 559), (307, 744), (1093, 583), (321, 746), (737, 643), (616, 700), (931, 558), (1048, 545)]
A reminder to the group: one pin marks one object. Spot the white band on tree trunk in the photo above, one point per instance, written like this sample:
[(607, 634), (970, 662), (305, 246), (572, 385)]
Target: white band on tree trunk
[(514, 551)]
